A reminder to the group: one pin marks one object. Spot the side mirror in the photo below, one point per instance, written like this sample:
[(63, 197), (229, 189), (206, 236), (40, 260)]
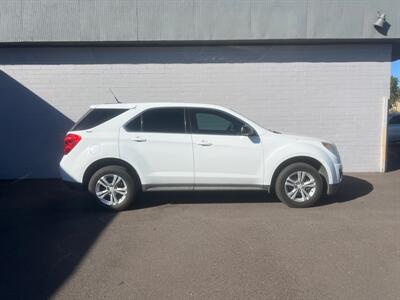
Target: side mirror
[(247, 130)]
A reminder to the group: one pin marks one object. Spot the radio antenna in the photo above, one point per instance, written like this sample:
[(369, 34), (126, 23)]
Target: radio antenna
[(115, 97)]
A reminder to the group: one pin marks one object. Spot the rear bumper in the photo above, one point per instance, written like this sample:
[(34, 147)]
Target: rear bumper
[(69, 180)]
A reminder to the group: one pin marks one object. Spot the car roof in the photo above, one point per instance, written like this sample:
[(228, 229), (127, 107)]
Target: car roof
[(153, 104)]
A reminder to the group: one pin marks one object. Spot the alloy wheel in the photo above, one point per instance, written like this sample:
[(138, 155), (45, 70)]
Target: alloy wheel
[(111, 189), (300, 186)]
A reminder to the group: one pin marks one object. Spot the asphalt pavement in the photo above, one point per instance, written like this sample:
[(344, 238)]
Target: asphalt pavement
[(207, 245)]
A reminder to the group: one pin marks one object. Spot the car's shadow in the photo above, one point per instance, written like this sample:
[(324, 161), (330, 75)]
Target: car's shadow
[(152, 199), (350, 189)]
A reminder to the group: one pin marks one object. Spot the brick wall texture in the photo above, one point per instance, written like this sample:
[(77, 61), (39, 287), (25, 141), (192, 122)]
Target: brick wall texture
[(334, 92)]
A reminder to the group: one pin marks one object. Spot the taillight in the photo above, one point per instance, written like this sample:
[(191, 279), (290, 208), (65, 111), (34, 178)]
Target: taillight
[(70, 141)]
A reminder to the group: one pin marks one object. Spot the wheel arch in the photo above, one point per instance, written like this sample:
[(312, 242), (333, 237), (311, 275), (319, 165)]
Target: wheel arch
[(303, 159), (98, 164)]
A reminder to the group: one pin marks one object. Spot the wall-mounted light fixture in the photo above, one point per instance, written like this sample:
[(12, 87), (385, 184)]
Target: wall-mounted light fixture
[(381, 24), (381, 21)]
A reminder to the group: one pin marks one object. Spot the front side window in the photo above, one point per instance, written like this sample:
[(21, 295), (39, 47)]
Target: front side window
[(209, 121), (166, 120)]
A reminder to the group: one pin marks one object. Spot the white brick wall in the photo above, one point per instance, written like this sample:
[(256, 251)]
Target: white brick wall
[(330, 91)]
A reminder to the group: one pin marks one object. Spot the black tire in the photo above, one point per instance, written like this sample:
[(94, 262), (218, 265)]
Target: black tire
[(290, 171), (128, 181)]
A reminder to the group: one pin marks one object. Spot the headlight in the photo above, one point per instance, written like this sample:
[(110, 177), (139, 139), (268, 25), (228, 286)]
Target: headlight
[(331, 147)]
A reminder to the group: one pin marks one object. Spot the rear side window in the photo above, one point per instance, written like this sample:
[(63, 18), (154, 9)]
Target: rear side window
[(97, 116), (165, 120)]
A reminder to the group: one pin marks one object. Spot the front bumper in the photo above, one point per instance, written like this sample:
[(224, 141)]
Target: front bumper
[(333, 188)]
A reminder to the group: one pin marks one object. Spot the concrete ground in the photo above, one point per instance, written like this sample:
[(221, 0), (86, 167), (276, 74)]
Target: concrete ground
[(206, 245)]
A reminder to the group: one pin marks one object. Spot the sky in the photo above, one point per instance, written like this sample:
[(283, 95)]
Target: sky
[(396, 68)]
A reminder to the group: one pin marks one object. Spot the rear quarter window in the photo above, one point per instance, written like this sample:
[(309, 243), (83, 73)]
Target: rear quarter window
[(97, 116)]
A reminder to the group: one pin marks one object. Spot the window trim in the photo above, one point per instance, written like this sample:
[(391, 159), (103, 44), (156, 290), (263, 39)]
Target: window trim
[(191, 116), (140, 115)]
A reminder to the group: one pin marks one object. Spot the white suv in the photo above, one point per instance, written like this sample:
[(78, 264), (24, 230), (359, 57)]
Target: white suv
[(117, 150)]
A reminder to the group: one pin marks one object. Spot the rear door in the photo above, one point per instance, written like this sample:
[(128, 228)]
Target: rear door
[(222, 156), (158, 144)]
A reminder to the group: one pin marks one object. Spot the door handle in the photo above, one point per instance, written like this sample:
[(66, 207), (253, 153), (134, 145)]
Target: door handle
[(138, 139), (204, 143)]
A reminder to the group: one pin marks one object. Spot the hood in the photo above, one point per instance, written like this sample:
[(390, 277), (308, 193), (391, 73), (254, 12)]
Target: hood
[(299, 138)]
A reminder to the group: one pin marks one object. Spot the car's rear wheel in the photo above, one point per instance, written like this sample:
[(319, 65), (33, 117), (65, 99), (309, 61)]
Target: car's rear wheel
[(113, 187), (299, 185)]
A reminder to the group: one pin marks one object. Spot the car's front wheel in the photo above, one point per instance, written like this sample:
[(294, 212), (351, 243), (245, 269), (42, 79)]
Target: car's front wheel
[(113, 187), (299, 185)]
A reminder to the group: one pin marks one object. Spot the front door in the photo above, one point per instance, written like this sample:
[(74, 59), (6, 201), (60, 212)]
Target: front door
[(223, 157)]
